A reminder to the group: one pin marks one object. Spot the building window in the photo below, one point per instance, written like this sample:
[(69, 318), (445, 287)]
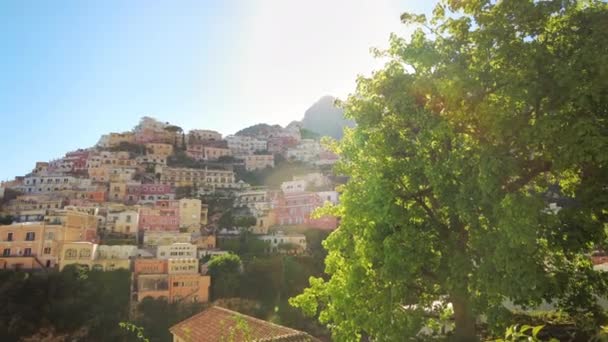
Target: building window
[(27, 252), (9, 237), (6, 252), (71, 254), (30, 236), (47, 250)]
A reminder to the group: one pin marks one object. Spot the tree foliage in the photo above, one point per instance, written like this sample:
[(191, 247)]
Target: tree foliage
[(69, 303), (458, 140), (133, 148), (246, 245), (225, 272), (156, 316), (245, 221)]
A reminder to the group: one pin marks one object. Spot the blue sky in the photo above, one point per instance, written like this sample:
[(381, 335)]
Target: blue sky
[(73, 70)]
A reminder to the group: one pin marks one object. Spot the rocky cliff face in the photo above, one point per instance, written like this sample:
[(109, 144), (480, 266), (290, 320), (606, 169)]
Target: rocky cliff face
[(325, 118)]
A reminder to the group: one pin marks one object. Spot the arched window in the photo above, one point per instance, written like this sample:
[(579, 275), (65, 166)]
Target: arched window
[(71, 253), (85, 253)]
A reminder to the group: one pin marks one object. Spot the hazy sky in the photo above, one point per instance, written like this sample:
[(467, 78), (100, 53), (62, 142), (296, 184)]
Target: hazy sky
[(73, 70)]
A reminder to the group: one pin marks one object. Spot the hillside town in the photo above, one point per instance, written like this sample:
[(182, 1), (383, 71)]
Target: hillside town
[(159, 202), (450, 185)]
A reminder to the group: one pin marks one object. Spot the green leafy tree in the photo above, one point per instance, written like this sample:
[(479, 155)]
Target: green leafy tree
[(71, 302), (308, 134), (8, 219), (247, 245), (459, 139), (156, 316), (262, 280), (226, 220), (226, 159), (225, 271), (245, 221)]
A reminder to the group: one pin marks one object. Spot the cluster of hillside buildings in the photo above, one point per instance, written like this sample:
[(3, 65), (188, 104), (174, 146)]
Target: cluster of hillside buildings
[(67, 210)]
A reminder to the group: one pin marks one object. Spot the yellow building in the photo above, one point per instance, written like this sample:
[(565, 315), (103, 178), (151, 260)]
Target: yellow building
[(160, 149), (115, 139), (118, 191), (182, 266), (263, 223), (190, 214), (99, 174), (123, 220), (35, 245), (121, 174), (258, 161), (32, 202), (204, 241), (85, 223), (86, 254), (199, 177), (204, 214)]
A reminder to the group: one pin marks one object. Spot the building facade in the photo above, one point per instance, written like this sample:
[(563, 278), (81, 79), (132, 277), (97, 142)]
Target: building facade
[(258, 161)]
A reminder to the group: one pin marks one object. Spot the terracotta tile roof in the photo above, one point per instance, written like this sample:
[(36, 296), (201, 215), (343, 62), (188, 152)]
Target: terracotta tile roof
[(220, 324)]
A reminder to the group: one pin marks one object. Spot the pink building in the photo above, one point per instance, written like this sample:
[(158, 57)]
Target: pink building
[(75, 161), (327, 158), (204, 152), (296, 208), (149, 193), (79, 159), (159, 219), (281, 144)]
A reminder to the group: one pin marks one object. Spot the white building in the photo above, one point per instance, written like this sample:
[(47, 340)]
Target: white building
[(308, 151), (176, 250), (148, 123), (315, 179), (293, 186), (244, 145), (35, 184)]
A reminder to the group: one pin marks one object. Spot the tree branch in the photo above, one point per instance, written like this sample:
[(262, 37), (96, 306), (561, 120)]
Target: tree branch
[(535, 170), (412, 196)]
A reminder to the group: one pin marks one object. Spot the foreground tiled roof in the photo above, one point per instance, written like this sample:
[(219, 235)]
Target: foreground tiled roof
[(220, 324)]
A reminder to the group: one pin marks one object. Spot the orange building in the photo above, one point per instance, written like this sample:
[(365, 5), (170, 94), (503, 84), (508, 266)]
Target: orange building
[(174, 288), (205, 241), (150, 266), (96, 196), (173, 279)]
